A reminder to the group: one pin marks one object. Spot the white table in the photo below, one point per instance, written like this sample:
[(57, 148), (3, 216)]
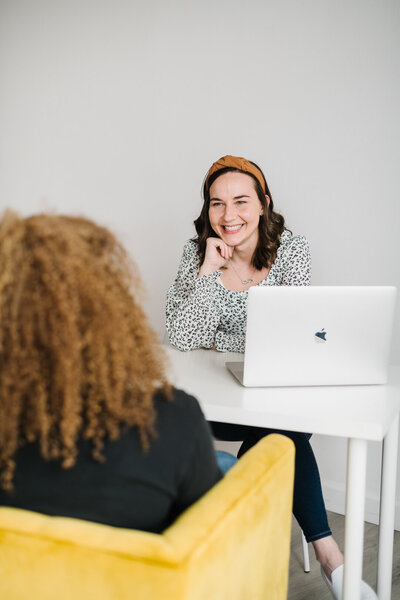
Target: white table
[(359, 413)]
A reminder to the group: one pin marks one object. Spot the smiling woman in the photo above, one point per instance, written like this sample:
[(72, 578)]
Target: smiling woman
[(241, 242)]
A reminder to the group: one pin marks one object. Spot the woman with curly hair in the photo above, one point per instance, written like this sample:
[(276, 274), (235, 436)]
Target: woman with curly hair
[(242, 242), (89, 425)]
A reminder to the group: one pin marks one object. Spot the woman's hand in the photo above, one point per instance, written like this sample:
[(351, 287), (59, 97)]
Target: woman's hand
[(217, 253)]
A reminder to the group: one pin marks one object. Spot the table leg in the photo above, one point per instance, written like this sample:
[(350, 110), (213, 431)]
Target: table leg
[(354, 527), (387, 511)]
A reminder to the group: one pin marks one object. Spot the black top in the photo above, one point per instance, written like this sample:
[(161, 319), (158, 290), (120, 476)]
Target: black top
[(132, 488)]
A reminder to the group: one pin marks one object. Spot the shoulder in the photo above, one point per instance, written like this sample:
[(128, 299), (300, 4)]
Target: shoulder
[(190, 246), (292, 245), (190, 253), (187, 403), (181, 425), (183, 409)]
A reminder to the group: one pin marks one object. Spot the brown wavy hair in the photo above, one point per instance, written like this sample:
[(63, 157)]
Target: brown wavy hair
[(77, 356), (270, 227)]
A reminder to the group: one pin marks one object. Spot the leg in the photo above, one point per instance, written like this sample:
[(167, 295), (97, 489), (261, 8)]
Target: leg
[(387, 510), (326, 549), (328, 554), (308, 502), (309, 507), (225, 460)]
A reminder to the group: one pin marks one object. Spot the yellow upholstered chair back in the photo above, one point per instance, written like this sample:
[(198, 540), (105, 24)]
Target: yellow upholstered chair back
[(231, 544)]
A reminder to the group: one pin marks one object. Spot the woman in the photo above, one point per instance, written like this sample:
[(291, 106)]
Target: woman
[(241, 242), (89, 425)]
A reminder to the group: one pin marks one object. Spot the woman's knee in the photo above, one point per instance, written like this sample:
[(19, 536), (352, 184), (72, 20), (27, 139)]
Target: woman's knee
[(225, 460)]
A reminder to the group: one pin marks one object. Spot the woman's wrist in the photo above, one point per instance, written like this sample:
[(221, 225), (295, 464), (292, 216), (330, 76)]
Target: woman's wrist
[(207, 270)]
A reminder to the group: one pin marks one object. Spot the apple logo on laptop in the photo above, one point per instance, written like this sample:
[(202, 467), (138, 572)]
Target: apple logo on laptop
[(321, 335)]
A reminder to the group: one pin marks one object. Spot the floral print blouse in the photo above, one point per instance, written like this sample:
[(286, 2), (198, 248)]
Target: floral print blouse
[(201, 312)]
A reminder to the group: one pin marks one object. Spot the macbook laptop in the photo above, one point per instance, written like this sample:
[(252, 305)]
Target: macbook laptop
[(316, 336)]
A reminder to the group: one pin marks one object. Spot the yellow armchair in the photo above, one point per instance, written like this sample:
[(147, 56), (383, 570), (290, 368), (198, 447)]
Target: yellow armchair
[(231, 544)]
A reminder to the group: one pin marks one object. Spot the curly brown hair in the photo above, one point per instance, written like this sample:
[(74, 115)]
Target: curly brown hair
[(270, 226), (77, 356)]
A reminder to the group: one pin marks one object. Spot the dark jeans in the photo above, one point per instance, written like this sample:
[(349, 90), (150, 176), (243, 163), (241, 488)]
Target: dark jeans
[(308, 502)]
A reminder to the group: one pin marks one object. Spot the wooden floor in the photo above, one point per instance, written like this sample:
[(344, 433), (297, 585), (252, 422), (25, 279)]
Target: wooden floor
[(310, 586)]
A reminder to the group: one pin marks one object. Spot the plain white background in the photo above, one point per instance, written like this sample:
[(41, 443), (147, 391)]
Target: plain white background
[(115, 109)]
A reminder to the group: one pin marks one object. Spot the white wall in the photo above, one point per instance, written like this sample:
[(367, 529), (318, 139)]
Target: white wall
[(115, 109)]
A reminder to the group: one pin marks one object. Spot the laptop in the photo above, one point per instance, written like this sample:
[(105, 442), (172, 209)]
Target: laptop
[(316, 336)]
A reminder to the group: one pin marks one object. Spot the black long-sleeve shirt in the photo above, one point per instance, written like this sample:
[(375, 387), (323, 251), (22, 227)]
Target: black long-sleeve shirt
[(132, 488)]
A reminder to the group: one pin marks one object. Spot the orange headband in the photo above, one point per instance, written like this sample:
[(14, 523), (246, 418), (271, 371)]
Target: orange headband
[(237, 163)]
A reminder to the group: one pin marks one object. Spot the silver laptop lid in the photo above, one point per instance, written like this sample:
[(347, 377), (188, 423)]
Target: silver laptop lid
[(318, 335)]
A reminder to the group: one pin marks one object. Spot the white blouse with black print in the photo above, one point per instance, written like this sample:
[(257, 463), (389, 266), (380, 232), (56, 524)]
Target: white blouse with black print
[(201, 312)]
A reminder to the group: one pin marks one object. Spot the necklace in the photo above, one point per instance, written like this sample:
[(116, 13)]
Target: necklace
[(243, 281)]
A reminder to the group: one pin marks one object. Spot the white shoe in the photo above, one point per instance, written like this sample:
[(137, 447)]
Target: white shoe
[(336, 585)]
